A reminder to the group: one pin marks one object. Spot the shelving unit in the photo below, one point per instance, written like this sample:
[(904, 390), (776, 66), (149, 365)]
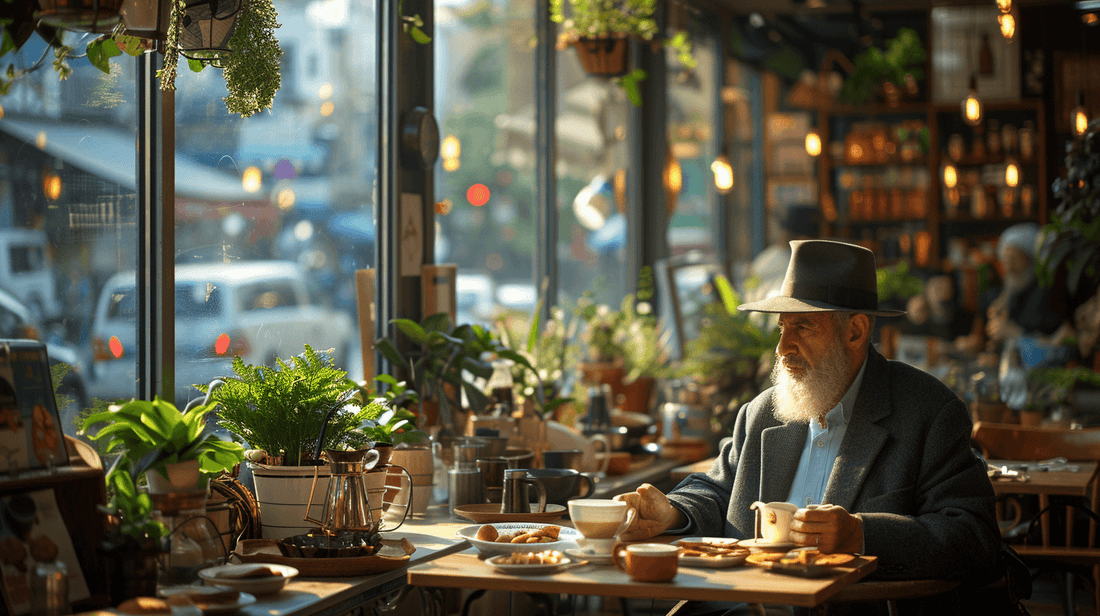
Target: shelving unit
[(881, 178)]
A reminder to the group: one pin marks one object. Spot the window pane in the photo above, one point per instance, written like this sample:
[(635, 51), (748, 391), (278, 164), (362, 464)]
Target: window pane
[(485, 178), (274, 212), (67, 218), (691, 111), (593, 143)]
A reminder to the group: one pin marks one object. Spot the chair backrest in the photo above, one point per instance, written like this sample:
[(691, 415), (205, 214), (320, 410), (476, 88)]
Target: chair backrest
[(1016, 442)]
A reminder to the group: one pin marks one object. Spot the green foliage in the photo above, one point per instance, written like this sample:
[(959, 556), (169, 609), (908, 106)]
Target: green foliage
[(133, 511), (904, 55), (250, 67), (730, 341), (151, 435), (897, 282), (618, 18), (1070, 242), (630, 333), (413, 25), (544, 353), (444, 353), (281, 410), (1049, 387), (382, 424)]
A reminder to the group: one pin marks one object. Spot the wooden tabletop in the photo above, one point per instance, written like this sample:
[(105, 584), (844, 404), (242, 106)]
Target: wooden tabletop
[(1064, 482), (679, 473), (747, 583)]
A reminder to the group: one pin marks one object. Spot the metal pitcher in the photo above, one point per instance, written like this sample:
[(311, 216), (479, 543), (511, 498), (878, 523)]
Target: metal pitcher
[(346, 507), (515, 498)]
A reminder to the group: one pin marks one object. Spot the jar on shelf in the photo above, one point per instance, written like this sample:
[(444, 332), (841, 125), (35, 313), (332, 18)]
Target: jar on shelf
[(979, 202), (1008, 138), (977, 145), (1027, 200), (1006, 197), (1026, 138), (951, 199), (855, 205), (993, 138), (956, 147)]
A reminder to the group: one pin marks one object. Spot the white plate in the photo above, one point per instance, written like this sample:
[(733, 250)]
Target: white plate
[(591, 556), (757, 546), (525, 569), (567, 538), (211, 609), (713, 562), (253, 585)]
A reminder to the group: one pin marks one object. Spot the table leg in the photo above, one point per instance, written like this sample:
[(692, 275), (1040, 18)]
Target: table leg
[(1044, 523), (474, 596)]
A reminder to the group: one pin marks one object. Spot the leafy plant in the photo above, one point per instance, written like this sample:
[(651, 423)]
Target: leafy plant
[(903, 56), (1070, 244), (130, 511), (413, 25), (250, 67), (281, 410), (630, 333), (730, 343), (897, 282), (543, 355), (383, 424), (151, 435), (1049, 387), (444, 353), (617, 18)]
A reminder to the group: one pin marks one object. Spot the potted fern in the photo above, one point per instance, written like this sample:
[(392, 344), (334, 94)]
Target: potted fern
[(237, 36), (281, 412), (600, 31)]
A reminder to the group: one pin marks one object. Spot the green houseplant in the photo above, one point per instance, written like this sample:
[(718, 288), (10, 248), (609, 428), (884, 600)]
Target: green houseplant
[(730, 347), (443, 353), (891, 71), (599, 30), (134, 539), (281, 410), (544, 354), (249, 61), (155, 436)]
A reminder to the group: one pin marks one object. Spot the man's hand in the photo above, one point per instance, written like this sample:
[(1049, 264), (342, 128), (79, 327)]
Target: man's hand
[(654, 515), (829, 527)]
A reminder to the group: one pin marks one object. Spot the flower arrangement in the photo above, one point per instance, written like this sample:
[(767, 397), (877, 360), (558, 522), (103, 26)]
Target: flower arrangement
[(544, 354), (631, 333)]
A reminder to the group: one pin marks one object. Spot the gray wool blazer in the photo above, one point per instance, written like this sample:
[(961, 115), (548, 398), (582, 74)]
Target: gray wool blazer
[(905, 465)]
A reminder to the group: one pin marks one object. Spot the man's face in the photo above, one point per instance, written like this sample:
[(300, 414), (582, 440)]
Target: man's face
[(812, 365)]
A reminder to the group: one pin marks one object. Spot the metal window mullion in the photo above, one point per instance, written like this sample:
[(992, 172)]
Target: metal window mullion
[(546, 242), (385, 211), (155, 226)]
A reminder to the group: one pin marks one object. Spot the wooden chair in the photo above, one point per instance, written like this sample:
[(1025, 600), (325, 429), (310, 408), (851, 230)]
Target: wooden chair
[(1031, 443)]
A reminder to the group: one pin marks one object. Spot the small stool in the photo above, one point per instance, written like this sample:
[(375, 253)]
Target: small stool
[(892, 591)]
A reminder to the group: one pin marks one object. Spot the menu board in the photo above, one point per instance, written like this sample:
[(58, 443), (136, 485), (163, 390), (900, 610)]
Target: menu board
[(31, 532), (30, 430)]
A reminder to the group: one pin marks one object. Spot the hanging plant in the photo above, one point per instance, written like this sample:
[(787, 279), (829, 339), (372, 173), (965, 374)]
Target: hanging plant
[(250, 61)]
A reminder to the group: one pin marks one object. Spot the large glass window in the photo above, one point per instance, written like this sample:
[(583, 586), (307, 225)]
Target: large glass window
[(67, 217), (274, 212), (485, 177)]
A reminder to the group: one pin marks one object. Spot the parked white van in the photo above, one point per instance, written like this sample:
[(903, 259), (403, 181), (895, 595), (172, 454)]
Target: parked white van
[(26, 271)]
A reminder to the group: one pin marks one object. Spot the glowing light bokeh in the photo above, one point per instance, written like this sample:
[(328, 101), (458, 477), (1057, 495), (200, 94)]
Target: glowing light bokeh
[(723, 174), (221, 345), (1012, 174), (116, 347), (950, 176), (813, 143), (478, 195), (972, 109), (252, 179), (1080, 118)]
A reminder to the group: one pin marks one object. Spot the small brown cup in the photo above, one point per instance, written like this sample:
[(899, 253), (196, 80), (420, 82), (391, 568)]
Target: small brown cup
[(647, 562)]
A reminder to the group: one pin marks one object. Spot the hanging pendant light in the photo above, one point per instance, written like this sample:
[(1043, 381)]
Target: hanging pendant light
[(723, 174), (1004, 5), (972, 111), (950, 176), (1012, 173), (1079, 117), (1007, 21)]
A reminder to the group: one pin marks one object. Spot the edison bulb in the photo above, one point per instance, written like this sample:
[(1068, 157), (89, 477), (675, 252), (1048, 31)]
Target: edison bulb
[(1008, 26), (1004, 5), (813, 143), (1080, 118), (972, 108), (1012, 173), (950, 176), (723, 174)]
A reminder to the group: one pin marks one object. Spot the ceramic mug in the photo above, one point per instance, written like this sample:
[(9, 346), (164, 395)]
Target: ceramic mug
[(599, 521), (647, 562), (773, 521)]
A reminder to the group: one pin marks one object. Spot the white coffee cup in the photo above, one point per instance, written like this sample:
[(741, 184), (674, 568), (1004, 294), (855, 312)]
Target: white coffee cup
[(600, 520), (774, 520)]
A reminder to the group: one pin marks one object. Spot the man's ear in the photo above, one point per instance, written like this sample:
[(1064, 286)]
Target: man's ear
[(859, 330)]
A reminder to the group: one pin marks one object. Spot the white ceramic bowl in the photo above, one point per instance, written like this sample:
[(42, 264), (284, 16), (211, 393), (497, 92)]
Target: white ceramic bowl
[(567, 538), (252, 585)]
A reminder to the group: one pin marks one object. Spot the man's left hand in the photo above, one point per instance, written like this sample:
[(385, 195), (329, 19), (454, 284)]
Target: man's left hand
[(829, 527)]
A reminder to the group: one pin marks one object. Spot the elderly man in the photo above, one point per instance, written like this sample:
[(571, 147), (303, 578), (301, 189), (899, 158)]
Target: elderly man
[(880, 449)]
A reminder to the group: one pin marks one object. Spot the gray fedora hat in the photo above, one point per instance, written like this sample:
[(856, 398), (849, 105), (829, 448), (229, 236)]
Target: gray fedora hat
[(827, 276)]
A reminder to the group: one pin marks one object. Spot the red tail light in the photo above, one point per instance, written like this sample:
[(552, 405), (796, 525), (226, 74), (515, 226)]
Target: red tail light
[(231, 345)]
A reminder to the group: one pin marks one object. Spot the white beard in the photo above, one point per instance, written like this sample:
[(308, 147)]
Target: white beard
[(813, 394)]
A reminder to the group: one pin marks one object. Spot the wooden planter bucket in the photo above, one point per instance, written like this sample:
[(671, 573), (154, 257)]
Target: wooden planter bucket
[(606, 56)]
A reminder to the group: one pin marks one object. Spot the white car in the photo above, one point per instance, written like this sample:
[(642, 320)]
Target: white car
[(27, 271), (259, 310)]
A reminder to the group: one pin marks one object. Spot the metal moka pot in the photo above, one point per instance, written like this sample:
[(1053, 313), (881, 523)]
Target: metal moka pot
[(346, 507)]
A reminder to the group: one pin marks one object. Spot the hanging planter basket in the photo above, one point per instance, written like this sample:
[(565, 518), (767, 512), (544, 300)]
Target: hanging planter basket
[(87, 15), (604, 56), (207, 26), (146, 18)]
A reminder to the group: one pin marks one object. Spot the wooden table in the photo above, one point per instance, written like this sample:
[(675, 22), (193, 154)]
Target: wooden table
[(680, 473), (746, 583), (1044, 484)]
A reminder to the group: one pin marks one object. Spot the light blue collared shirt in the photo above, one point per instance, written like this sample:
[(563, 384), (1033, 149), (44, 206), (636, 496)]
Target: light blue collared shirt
[(822, 446)]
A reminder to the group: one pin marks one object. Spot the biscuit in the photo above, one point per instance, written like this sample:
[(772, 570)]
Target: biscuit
[(487, 533)]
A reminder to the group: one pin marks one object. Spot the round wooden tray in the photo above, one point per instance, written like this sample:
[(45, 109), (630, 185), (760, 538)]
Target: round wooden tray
[(394, 554), (489, 513)]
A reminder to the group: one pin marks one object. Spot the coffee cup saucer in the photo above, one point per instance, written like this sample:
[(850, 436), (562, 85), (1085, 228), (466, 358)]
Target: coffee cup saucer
[(592, 556), (757, 546)]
